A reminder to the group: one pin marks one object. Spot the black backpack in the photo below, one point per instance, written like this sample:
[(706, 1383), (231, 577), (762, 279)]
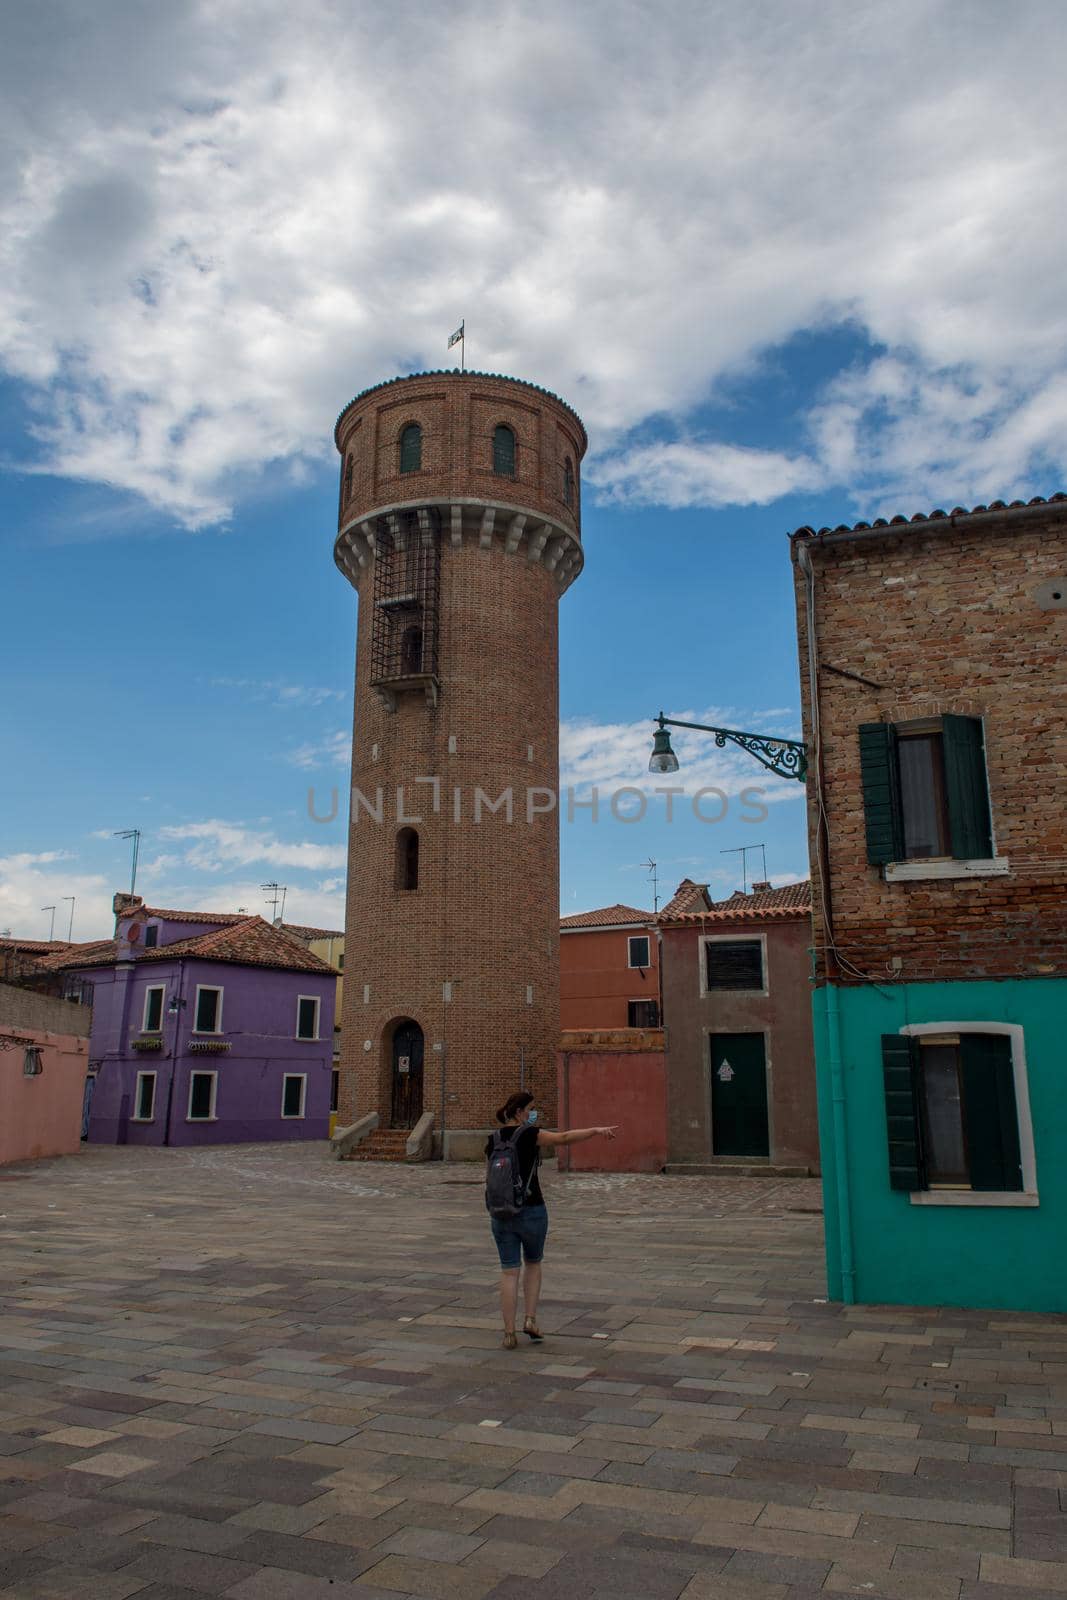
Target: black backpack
[(505, 1190)]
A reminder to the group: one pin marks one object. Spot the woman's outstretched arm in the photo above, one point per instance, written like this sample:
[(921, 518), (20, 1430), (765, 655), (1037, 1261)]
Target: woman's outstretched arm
[(574, 1135)]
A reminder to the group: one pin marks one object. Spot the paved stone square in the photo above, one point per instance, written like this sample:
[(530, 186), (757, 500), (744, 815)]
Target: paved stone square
[(256, 1373)]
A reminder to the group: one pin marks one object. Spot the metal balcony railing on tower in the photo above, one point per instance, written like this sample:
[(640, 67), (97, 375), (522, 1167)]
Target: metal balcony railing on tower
[(406, 622)]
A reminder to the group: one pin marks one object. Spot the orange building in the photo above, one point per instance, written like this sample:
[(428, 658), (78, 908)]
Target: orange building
[(610, 963)]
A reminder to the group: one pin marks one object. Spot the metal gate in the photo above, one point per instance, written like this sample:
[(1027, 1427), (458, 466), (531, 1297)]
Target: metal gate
[(407, 1075)]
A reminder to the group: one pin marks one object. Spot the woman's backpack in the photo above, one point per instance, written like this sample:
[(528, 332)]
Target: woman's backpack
[(505, 1189)]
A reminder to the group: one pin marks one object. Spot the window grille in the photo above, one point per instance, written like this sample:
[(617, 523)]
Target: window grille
[(407, 571)]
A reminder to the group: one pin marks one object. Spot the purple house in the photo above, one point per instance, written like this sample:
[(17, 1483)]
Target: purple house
[(207, 1029)]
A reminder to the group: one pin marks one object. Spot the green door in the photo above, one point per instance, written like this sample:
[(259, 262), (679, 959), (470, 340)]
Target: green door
[(739, 1095)]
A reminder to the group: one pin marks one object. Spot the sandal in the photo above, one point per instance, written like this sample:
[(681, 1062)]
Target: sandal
[(532, 1331), (510, 1340)]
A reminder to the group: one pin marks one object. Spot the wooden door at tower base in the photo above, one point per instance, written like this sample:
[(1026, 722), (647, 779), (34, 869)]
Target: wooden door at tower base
[(407, 1075), (739, 1122)]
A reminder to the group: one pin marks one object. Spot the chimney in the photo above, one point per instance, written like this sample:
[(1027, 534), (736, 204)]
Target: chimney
[(123, 905), (761, 888)]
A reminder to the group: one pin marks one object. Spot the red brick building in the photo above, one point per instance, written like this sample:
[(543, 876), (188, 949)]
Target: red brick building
[(459, 527)]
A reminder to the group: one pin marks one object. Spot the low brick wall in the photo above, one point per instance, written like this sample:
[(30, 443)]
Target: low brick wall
[(616, 1076)]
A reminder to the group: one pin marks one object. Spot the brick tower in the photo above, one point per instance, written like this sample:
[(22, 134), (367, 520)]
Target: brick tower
[(459, 527)]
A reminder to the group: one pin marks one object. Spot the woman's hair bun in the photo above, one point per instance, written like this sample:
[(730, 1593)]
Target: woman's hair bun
[(514, 1102)]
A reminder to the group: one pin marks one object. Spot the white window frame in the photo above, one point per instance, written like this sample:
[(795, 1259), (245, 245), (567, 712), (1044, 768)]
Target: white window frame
[(214, 988), (1028, 1195), (152, 988), (211, 1117), (632, 965), (732, 938), (308, 1038), (297, 1116), (137, 1117)]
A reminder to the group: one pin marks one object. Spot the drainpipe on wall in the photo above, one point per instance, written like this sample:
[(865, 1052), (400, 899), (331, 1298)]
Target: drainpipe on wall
[(841, 1183), (833, 1013)]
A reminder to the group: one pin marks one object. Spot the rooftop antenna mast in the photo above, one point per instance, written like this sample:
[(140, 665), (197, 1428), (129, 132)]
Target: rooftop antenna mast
[(135, 835), (275, 893), (742, 851), (52, 929), (651, 865), (70, 930)]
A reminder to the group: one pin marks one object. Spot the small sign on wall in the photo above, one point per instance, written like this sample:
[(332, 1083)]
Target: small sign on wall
[(403, 1064), (726, 1073)]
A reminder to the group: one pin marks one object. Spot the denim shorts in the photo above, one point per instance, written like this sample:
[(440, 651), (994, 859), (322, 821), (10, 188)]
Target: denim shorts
[(523, 1236)]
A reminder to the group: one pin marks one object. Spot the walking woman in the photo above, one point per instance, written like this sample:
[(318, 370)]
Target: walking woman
[(521, 1238)]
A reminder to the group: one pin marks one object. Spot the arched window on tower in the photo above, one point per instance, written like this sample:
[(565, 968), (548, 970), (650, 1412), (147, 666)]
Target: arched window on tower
[(407, 859), (411, 651), (503, 451), (568, 482), (411, 448), (350, 467)]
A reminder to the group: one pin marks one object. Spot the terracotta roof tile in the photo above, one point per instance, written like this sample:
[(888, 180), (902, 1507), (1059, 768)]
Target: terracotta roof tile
[(300, 932), (688, 896), (607, 917), (248, 941), (43, 947), (995, 508), (792, 900)]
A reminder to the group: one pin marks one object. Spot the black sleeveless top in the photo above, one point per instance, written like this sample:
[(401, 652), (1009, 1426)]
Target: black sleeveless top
[(528, 1163)]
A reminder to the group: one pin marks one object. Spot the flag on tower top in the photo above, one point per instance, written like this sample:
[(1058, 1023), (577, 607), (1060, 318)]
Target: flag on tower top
[(457, 336)]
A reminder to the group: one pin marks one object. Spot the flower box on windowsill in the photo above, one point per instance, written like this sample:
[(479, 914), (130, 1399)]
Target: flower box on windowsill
[(155, 1043), (208, 1047)]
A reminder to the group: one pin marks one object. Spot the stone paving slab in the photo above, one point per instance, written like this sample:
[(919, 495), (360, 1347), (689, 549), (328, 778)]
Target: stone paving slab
[(257, 1373)]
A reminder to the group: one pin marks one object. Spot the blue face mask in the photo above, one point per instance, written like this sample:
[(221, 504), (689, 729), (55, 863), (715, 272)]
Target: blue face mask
[(532, 1117)]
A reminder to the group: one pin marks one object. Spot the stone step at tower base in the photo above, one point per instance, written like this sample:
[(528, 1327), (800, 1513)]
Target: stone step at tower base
[(384, 1144)]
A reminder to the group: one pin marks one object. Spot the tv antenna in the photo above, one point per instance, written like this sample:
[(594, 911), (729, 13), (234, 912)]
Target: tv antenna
[(275, 893), (651, 865), (52, 929), (742, 851), (135, 835), (70, 930)]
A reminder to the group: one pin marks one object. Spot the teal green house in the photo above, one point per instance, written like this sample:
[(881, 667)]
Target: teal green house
[(934, 673)]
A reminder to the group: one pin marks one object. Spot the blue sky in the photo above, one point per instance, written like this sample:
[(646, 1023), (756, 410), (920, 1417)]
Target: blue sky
[(795, 267)]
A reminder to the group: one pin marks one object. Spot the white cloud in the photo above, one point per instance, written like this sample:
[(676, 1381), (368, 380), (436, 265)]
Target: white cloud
[(28, 882), (333, 750), (703, 474), (214, 845), (282, 693), (219, 221)]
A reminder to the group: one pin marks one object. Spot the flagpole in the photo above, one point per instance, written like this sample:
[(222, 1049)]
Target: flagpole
[(463, 346)]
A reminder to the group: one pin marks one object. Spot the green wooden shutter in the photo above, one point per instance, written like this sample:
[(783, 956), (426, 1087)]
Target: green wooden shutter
[(990, 1118), (881, 792), (900, 1070), (970, 827)]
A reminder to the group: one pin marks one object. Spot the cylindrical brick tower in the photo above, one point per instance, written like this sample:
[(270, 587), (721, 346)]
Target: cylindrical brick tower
[(459, 527)]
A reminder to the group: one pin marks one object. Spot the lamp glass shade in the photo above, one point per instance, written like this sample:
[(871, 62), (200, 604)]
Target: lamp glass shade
[(663, 758)]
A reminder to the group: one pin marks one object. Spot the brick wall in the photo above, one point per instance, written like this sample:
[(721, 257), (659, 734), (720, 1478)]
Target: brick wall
[(484, 917), (943, 619)]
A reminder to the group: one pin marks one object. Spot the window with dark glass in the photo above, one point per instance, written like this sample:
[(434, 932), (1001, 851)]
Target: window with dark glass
[(503, 451), (146, 1096), (638, 950), (407, 859), (734, 964), (293, 1094), (341, 962), (642, 1014), (151, 936), (335, 1089), (208, 1010), (411, 652), (951, 1112), (307, 1017), (411, 448), (153, 1010), (201, 1096), (925, 791)]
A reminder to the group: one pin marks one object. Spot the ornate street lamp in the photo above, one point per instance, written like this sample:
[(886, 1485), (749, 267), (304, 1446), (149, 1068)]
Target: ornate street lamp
[(786, 758)]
